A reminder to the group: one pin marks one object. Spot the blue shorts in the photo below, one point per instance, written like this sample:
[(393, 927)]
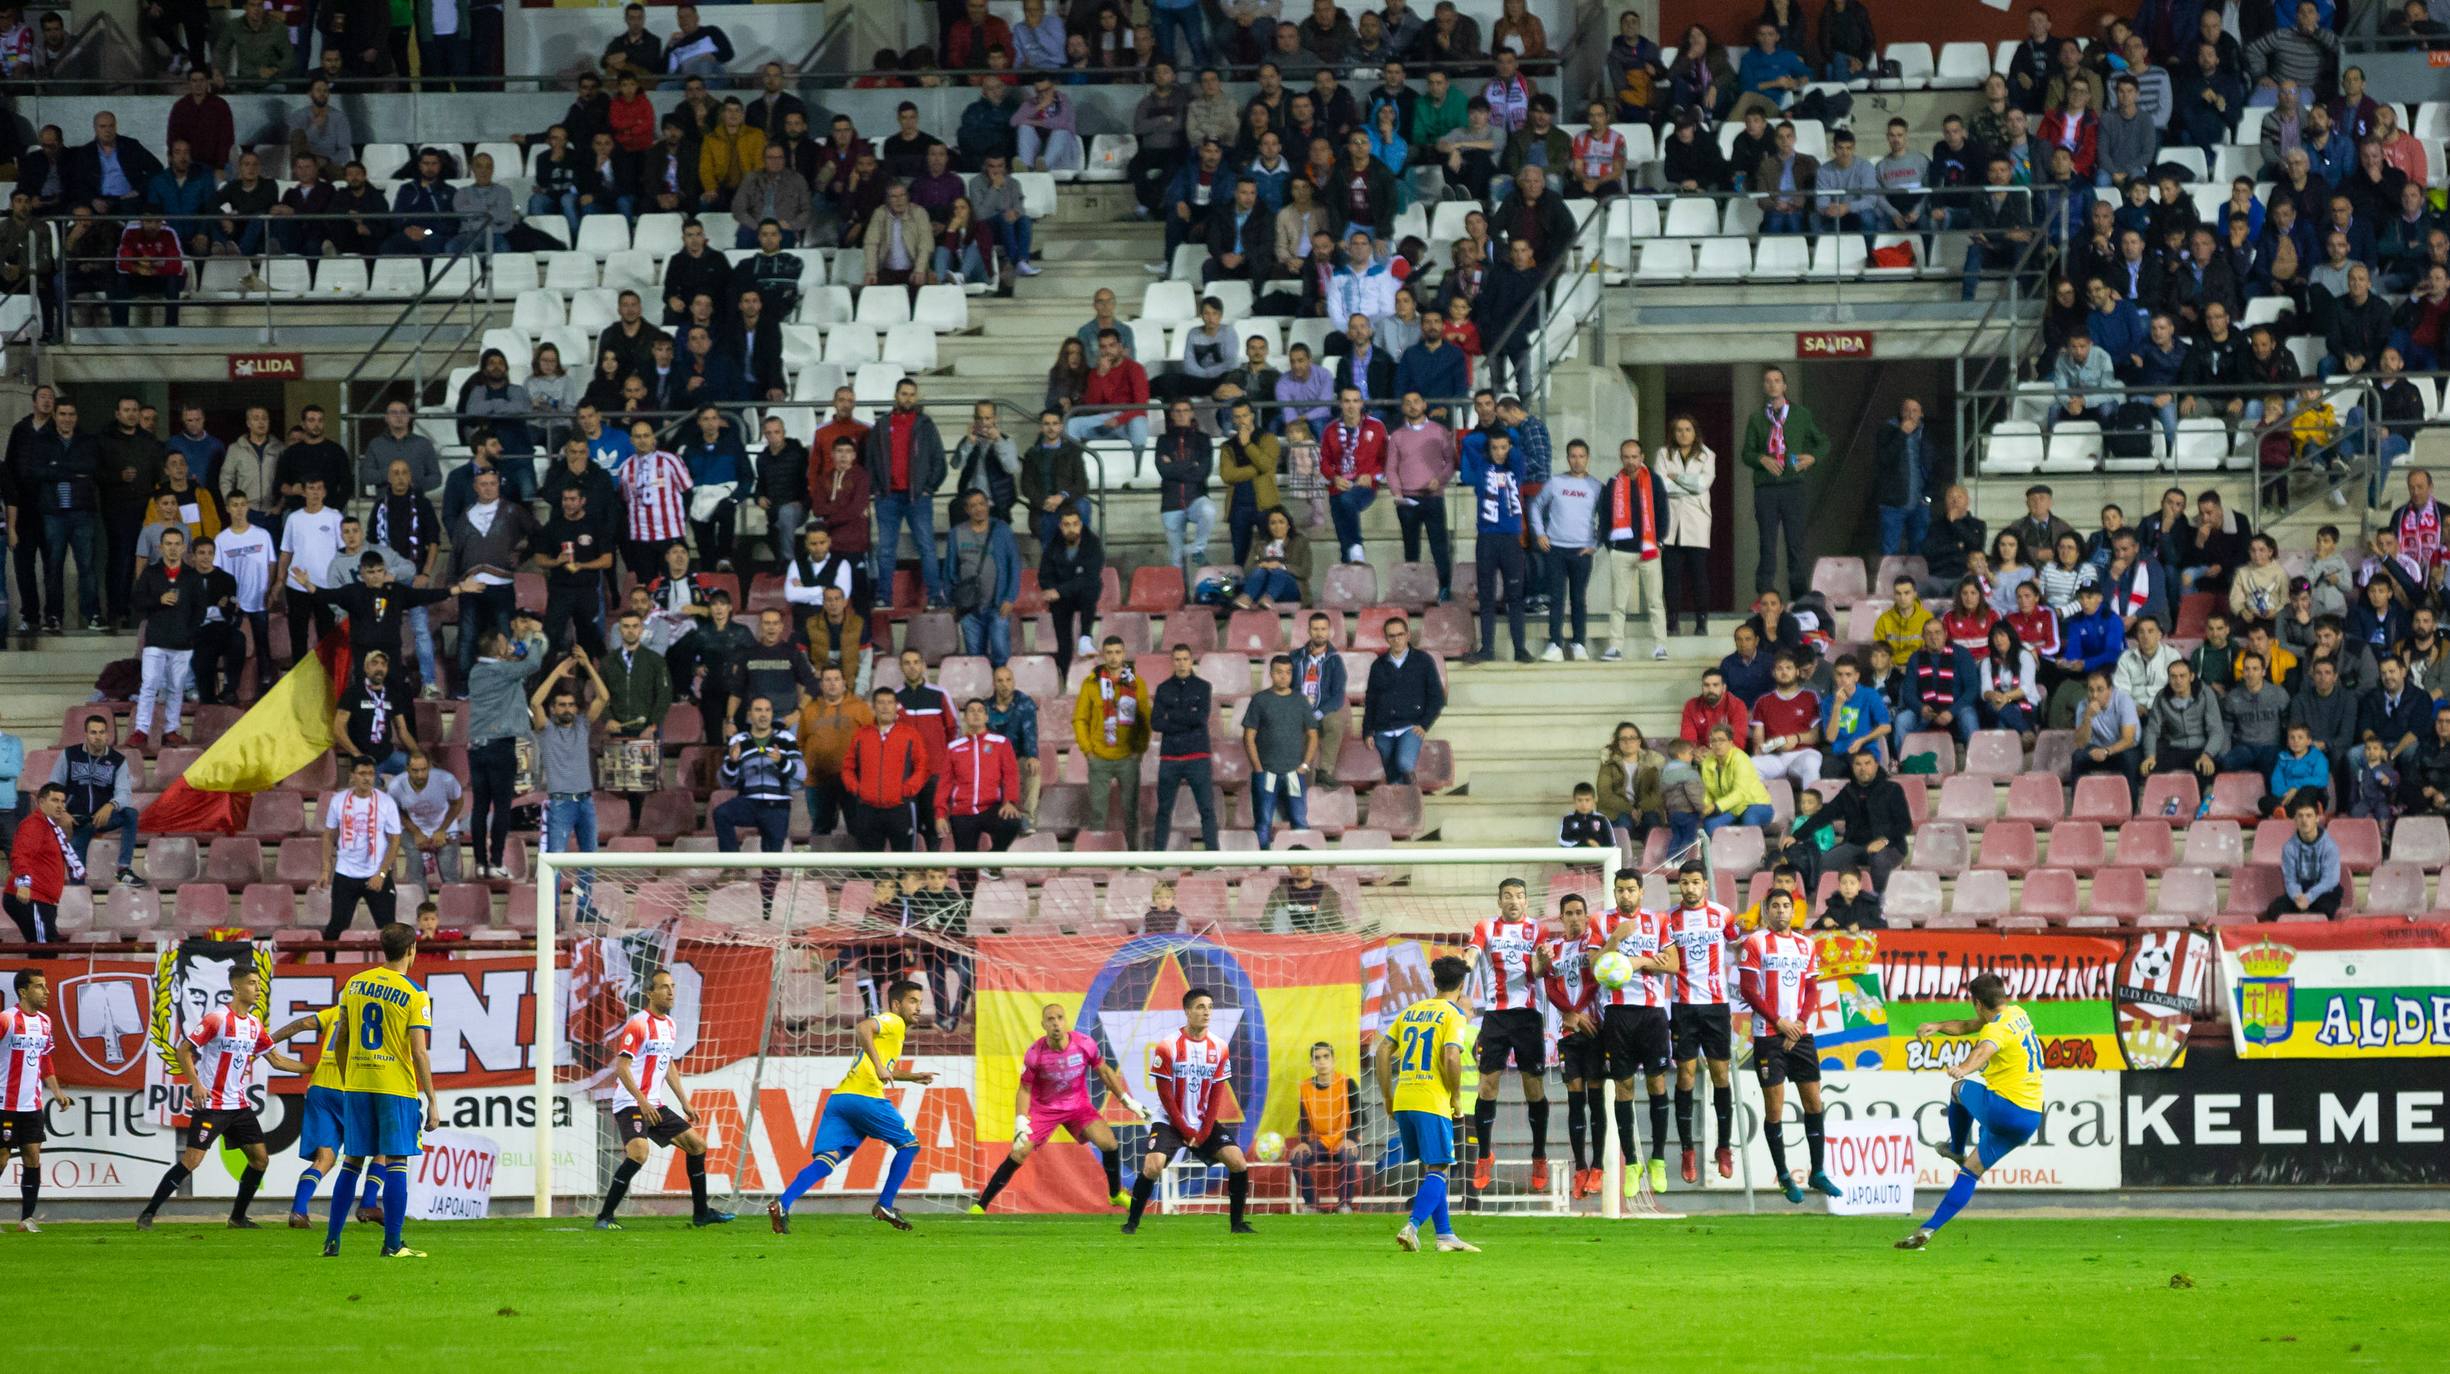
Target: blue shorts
[(320, 1121), (2004, 1124), (381, 1124), (850, 1120), (1427, 1137)]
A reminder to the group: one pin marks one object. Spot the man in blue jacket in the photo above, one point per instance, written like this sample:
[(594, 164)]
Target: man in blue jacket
[(982, 567), (1318, 674), (1403, 699), (1940, 688), (1178, 713), (426, 202), (1498, 554)]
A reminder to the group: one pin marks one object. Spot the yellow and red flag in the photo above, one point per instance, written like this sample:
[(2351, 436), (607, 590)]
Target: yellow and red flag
[(287, 729)]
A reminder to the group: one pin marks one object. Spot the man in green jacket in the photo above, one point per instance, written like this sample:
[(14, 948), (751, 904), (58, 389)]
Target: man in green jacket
[(1782, 444)]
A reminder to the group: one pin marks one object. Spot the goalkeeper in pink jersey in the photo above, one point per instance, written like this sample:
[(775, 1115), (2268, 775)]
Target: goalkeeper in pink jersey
[(1054, 1092)]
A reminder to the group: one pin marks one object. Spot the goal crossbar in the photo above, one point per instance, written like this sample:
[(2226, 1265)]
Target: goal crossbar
[(548, 867)]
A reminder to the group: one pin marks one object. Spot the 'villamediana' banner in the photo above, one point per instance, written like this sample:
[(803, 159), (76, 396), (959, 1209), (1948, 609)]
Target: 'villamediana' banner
[(2377, 988)]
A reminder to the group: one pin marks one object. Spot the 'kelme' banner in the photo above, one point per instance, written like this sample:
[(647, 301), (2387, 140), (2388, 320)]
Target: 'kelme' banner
[(2231, 1124)]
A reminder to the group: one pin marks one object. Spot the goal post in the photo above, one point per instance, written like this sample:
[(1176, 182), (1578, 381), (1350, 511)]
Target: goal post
[(777, 956)]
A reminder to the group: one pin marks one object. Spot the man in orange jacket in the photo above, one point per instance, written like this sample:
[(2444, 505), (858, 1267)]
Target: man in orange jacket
[(884, 772)]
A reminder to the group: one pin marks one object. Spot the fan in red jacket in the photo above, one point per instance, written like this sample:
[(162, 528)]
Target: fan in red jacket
[(1714, 707), (979, 792), (151, 263), (1352, 454), (42, 861), (884, 773)]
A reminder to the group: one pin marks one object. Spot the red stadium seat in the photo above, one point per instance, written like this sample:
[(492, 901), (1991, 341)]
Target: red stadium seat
[(1995, 754), (1155, 590), (1939, 847), (934, 634), (1228, 673), (1333, 810), (1413, 585), (2191, 892), (963, 676), (1983, 894), (2119, 891), (1396, 809), (1912, 897), (2236, 796), (2036, 798), (2214, 844), (1446, 630), (202, 906), (1110, 591), (2078, 845), (234, 861), (2008, 847), (2146, 844), (1841, 580), (2101, 797), (1194, 627), (1972, 802), (2396, 889), (1349, 587), (2251, 889), (1436, 770), (267, 907), (2049, 893), (300, 863), (2170, 797), (1129, 626), (1740, 850), (171, 860), (1254, 632), (2360, 843), (1357, 764), (2269, 836)]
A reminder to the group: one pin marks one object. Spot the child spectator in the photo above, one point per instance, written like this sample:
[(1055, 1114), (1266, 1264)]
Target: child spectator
[(2298, 619), (1807, 805), (2301, 771), (2329, 573), (2373, 787), (1854, 906), (1681, 790), (1583, 827), (1161, 918)]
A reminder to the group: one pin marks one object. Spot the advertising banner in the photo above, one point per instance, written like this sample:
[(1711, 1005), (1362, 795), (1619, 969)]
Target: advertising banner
[(1276, 995), (2377, 988), (2289, 1122), (1873, 1164), (1877, 988), (2077, 1147), (452, 1179)]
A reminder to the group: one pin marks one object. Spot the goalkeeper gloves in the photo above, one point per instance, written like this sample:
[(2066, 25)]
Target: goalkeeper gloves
[(1132, 1104), (1020, 1126)]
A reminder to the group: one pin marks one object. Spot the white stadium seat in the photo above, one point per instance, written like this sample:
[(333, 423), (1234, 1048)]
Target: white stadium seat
[(2074, 446), (2014, 449), (1961, 66), (941, 308), (882, 307), (603, 234), (1665, 260)]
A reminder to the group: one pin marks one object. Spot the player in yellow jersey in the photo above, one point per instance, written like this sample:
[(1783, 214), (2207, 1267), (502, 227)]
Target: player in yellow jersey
[(321, 1118), (1420, 1076), (385, 1024), (2008, 1100), (859, 1111)]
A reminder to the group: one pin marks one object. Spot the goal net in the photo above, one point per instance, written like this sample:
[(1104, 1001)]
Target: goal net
[(775, 960)]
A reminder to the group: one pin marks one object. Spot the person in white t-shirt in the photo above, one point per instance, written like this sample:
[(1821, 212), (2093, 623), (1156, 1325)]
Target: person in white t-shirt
[(310, 540), (361, 837), (245, 551), (432, 805)]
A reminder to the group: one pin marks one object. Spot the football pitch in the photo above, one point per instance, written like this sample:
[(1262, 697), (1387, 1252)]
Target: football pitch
[(1787, 1292)]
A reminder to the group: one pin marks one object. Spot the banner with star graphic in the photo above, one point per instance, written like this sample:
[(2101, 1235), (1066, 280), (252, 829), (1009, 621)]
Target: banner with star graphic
[(1276, 996)]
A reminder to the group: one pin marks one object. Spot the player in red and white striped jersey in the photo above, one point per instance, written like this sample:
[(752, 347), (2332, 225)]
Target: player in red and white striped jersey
[(655, 486), (1705, 934), (1190, 1069), (1508, 957), (646, 1064), (1633, 1026), (1782, 987), (217, 1061), (25, 1071), (1575, 996)]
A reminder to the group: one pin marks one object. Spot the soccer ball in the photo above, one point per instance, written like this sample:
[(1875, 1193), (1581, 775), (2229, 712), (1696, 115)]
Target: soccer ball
[(1612, 969), (1270, 1147)]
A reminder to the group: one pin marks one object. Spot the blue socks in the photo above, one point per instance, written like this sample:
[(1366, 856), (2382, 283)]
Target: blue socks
[(395, 1203), (1960, 1126), (344, 1192), (809, 1177), (1959, 1193), (373, 1196), (1429, 1202), (307, 1183), (896, 1173)]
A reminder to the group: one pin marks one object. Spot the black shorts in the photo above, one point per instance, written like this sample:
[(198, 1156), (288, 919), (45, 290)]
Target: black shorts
[(1520, 1036), (669, 1126), (1168, 1140), (20, 1129), (1774, 1063), (1635, 1040), (1580, 1058), (237, 1126), (1703, 1031)]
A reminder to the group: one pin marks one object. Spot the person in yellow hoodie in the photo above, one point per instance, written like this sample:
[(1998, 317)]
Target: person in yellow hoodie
[(1731, 785), (1110, 723), (1901, 625), (731, 150)]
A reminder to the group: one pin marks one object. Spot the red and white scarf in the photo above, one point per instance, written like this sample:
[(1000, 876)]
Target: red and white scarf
[(1621, 519), (1120, 702)]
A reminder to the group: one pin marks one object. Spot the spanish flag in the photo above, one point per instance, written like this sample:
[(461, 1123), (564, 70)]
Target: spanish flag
[(284, 731)]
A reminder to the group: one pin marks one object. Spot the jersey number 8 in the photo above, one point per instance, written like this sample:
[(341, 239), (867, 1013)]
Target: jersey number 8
[(370, 1027)]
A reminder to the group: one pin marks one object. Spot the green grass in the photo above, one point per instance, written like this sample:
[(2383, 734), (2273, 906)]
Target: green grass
[(2033, 1296)]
